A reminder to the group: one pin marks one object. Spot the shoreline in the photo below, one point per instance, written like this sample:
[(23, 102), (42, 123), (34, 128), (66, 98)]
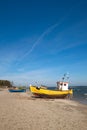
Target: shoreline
[(19, 111)]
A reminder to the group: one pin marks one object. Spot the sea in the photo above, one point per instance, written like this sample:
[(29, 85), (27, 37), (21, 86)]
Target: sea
[(79, 94)]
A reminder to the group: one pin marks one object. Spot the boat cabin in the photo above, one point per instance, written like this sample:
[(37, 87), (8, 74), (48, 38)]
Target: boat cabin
[(62, 85)]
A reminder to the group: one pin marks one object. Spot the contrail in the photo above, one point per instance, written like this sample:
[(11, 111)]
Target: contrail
[(40, 38), (47, 31)]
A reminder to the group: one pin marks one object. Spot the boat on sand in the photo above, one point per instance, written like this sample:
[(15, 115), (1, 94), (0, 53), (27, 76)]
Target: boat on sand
[(16, 90), (61, 91)]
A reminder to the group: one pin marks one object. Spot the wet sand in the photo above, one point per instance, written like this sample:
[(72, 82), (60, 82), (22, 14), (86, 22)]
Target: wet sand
[(19, 111)]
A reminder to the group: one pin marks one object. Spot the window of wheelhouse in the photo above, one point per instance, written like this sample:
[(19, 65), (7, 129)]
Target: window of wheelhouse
[(64, 84)]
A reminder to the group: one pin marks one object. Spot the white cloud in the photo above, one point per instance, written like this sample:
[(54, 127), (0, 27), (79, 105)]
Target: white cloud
[(47, 76)]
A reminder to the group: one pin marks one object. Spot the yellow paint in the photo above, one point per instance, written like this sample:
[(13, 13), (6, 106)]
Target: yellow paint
[(48, 92)]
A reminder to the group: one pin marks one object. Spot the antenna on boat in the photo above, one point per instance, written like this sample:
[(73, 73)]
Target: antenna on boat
[(65, 76)]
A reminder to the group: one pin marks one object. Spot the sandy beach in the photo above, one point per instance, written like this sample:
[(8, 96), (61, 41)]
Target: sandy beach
[(19, 111)]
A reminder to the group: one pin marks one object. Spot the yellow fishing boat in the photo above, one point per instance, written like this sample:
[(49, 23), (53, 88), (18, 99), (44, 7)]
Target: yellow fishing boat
[(61, 91)]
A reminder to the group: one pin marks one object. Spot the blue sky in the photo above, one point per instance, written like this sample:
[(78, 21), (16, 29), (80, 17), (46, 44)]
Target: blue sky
[(40, 40)]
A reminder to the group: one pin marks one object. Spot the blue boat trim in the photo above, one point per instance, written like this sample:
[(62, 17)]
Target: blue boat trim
[(17, 90)]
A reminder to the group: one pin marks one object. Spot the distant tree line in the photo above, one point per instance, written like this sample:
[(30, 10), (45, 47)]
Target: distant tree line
[(5, 83)]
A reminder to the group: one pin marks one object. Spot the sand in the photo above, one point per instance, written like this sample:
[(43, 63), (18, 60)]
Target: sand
[(19, 111)]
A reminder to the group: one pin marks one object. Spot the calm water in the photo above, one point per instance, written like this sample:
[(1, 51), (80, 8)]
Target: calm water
[(79, 93)]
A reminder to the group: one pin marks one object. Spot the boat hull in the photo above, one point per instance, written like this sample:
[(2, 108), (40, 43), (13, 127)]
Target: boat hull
[(40, 92), (17, 90)]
